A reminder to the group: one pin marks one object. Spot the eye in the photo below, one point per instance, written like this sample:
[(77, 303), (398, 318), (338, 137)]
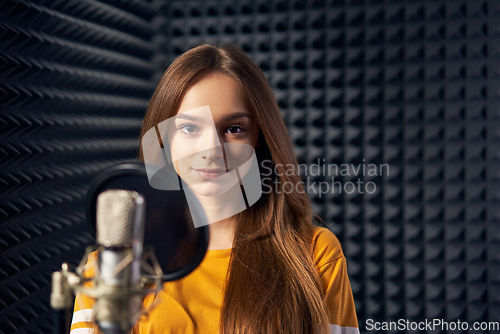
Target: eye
[(235, 129), (189, 129)]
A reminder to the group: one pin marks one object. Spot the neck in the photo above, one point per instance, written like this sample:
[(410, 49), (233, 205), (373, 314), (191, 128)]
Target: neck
[(221, 234), (218, 209)]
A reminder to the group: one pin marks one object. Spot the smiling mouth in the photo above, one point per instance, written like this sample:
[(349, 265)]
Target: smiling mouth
[(209, 173)]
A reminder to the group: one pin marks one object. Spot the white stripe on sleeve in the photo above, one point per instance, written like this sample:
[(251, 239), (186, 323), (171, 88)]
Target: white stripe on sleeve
[(336, 329), (81, 316), (82, 331)]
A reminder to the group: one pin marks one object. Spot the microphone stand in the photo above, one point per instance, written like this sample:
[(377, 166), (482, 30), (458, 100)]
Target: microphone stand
[(65, 283), (61, 321)]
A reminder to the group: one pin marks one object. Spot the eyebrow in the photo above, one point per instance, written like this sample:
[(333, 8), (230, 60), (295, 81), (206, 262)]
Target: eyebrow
[(235, 115), (224, 119), (190, 118)]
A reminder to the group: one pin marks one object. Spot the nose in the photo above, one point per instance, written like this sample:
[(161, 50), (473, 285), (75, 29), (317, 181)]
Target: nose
[(213, 147), (213, 153)]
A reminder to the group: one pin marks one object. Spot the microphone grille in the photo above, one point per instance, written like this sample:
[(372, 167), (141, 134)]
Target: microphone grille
[(116, 210)]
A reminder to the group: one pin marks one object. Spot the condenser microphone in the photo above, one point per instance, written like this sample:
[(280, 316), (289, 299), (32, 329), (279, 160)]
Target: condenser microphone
[(120, 221), (124, 272)]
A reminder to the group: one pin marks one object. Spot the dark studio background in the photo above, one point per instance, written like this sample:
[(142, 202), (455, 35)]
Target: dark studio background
[(412, 84)]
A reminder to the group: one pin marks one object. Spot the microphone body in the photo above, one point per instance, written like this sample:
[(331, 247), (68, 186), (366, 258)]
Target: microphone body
[(120, 235)]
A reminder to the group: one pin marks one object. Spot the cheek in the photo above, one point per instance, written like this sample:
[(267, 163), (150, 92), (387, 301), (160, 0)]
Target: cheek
[(180, 160), (182, 167), (174, 150), (182, 152), (181, 148), (237, 154)]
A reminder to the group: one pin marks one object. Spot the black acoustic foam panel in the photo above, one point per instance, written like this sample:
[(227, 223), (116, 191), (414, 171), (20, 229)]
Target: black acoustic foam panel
[(410, 84), (75, 77)]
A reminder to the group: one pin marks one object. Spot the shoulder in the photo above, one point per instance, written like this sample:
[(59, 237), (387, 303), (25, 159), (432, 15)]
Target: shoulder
[(89, 269), (326, 246)]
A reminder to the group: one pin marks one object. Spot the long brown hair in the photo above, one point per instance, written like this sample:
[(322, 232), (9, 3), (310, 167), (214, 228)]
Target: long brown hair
[(272, 285)]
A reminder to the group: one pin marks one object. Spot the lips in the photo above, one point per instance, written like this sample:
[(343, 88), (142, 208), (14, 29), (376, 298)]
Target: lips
[(209, 173)]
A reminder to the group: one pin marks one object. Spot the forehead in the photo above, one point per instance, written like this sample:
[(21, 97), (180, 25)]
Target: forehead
[(219, 91)]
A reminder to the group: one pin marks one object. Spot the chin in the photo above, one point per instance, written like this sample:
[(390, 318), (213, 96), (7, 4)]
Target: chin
[(208, 189)]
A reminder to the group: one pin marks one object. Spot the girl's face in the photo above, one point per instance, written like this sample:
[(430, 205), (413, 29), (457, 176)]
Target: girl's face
[(212, 136)]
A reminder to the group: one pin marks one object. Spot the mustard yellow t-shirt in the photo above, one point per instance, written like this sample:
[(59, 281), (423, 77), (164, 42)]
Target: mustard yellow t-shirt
[(192, 304)]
